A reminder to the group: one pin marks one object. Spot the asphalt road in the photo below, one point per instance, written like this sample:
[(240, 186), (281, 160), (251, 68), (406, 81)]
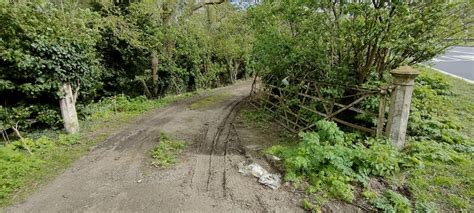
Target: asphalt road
[(458, 61)]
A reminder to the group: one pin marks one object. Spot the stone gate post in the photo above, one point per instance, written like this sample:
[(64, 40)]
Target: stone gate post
[(403, 81)]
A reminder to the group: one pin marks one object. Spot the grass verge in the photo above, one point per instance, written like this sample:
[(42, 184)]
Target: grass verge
[(42, 155), (257, 118), (208, 101)]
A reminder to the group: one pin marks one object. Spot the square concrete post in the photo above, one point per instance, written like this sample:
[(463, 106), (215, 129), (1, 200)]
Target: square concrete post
[(404, 81)]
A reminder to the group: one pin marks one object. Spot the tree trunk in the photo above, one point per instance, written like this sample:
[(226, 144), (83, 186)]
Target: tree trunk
[(230, 69), (67, 104), (154, 72), (236, 69)]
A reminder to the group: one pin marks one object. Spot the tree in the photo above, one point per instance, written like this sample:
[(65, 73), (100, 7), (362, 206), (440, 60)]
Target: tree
[(45, 51), (351, 43), (233, 40)]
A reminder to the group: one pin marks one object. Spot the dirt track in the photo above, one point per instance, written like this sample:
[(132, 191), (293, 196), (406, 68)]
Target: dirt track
[(116, 175)]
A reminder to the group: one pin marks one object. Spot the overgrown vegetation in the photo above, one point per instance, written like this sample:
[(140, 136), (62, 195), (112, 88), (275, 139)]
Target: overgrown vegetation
[(434, 171), (124, 58), (121, 58), (105, 48), (340, 46), (166, 152), (349, 43)]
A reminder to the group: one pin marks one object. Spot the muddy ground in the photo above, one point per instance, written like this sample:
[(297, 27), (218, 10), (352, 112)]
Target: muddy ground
[(116, 176)]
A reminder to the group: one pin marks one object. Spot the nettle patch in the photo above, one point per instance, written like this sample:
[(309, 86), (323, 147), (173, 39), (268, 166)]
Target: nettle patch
[(331, 161), (332, 164)]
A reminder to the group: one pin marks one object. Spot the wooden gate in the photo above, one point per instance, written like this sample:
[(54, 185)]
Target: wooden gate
[(301, 100)]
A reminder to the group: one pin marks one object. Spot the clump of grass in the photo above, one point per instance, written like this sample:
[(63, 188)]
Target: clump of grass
[(208, 101), (167, 151)]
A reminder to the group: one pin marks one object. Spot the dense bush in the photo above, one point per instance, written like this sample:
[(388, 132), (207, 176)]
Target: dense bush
[(128, 38), (107, 49), (42, 47), (346, 45), (349, 43)]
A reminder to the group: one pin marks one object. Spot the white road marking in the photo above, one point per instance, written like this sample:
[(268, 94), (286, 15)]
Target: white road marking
[(467, 57), (457, 51), (447, 73), (445, 59), (454, 58)]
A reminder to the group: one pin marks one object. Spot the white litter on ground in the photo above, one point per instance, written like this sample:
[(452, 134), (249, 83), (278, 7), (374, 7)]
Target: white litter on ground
[(264, 177)]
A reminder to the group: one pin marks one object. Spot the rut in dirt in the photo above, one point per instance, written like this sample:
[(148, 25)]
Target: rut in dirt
[(214, 150)]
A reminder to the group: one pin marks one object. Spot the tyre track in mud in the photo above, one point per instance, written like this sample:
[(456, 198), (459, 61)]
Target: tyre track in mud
[(212, 150), (224, 125)]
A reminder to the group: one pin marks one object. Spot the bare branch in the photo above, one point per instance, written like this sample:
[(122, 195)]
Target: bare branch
[(204, 3), (145, 87), (17, 132), (15, 129), (5, 136)]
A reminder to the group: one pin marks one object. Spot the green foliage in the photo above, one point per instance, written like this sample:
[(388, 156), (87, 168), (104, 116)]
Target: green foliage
[(106, 49), (21, 115), (20, 159), (331, 162), (49, 40), (166, 152), (256, 118), (328, 132), (349, 43), (193, 53), (41, 47), (209, 101), (390, 201), (309, 206), (429, 118), (435, 169), (128, 37), (13, 166), (108, 107)]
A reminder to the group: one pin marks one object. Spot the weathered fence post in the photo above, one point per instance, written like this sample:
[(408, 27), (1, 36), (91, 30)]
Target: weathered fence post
[(67, 104), (404, 81)]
